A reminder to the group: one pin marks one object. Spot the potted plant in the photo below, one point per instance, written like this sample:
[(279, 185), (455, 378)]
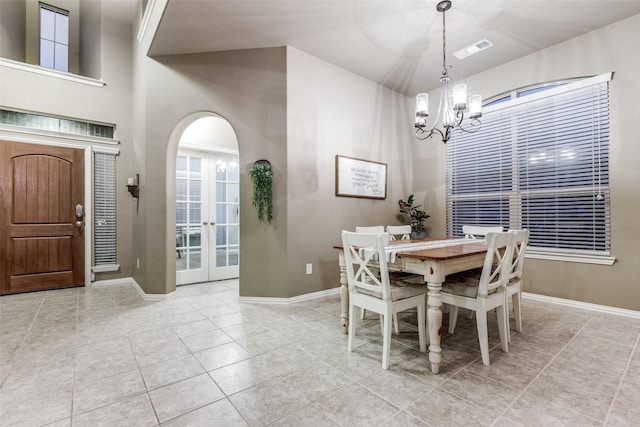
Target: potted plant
[(416, 217), (262, 178)]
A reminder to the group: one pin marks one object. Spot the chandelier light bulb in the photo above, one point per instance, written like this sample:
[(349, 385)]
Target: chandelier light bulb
[(460, 97), (475, 106)]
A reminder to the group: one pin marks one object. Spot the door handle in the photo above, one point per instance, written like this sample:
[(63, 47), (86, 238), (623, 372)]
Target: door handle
[(78, 224), (204, 223)]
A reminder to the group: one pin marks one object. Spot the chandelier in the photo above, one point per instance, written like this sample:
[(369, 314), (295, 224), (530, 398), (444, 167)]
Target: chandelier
[(453, 100)]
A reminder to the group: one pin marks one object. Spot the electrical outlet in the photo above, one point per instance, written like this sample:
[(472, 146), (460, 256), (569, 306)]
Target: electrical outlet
[(309, 268), (137, 262)]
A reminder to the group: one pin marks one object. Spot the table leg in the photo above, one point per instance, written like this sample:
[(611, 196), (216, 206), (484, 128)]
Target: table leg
[(434, 314), (344, 298)]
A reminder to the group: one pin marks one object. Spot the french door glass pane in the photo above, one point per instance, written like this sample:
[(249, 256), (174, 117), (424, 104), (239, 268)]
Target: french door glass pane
[(221, 192), (181, 189), (221, 213), (188, 213), (233, 214)]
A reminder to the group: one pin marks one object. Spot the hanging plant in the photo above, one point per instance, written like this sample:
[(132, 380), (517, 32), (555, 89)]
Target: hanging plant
[(262, 177)]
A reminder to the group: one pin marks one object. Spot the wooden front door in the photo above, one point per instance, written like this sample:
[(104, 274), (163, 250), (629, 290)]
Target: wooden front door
[(41, 217)]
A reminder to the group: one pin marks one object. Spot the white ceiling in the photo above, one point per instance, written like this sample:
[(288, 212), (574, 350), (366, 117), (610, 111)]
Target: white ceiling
[(397, 43)]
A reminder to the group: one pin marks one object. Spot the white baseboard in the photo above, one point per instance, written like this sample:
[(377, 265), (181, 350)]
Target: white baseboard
[(328, 292), (131, 281), (298, 298), (584, 305)]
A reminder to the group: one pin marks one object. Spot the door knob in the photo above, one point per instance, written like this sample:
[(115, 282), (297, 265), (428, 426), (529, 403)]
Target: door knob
[(78, 223), (205, 222)]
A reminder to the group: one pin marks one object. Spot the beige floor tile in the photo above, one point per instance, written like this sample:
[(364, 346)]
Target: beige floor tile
[(217, 414), (179, 398), (268, 402), (221, 355), (354, 405), (531, 410), (205, 340), (107, 390), (170, 371), (133, 411), (90, 355), (441, 408)]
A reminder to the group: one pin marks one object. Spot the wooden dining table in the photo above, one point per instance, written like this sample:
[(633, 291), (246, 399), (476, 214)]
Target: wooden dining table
[(434, 264)]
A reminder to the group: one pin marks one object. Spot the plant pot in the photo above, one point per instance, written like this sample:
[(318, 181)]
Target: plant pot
[(418, 234)]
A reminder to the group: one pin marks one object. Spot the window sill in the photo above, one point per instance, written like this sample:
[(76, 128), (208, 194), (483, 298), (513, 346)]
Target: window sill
[(9, 63), (569, 257), (105, 268)]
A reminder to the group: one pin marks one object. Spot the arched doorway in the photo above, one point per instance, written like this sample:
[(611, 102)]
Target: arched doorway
[(207, 201)]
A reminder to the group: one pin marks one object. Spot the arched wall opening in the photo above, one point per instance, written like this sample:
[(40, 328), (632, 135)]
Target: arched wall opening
[(199, 132)]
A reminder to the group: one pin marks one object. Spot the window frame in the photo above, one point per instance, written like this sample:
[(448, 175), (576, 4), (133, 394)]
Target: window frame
[(56, 11), (515, 195)]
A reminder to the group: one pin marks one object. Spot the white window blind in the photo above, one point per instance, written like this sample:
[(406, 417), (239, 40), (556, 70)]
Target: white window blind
[(104, 208), (539, 162)]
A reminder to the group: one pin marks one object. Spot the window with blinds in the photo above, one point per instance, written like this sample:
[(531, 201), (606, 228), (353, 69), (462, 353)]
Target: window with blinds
[(540, 161), (104, 196)]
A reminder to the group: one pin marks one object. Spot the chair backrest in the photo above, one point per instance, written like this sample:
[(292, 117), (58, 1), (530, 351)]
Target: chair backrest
[(404, 231), (479, 231), (497, 263), (522, 240), (359, 250), (372, 229)]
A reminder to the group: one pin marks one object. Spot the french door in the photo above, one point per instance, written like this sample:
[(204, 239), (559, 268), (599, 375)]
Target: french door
[(207, 217)]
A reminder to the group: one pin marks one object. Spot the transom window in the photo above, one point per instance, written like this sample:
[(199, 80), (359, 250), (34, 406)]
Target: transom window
[(540, 161), (54, 38)]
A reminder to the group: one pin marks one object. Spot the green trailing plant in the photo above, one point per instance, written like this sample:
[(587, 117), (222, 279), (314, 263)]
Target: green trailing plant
[(416, 216), (262, 177)]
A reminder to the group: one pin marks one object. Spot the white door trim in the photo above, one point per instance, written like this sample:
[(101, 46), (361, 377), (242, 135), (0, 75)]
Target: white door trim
[(61, 141)]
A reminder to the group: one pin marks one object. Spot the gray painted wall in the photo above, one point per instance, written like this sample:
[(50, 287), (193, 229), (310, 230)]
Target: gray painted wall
[(613, 48), (13, 29), (331, 111)]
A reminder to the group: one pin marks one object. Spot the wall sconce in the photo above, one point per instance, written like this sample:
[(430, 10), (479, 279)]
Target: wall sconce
[(132, 186)]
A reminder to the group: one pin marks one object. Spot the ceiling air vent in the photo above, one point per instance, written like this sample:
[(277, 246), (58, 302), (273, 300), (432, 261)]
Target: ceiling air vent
[(473, 49)]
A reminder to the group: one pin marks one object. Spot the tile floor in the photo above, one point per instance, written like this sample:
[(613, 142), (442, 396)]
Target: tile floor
[(101, 356)]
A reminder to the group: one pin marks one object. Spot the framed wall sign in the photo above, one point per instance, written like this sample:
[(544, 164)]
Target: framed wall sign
[(360, 178)]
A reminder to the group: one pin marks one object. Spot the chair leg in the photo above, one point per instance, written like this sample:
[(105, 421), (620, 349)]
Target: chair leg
[(503, 328), (362, 313), (396, 325), (483, 336), (517, 311), (352, 327), (453, 318), (386, 341)]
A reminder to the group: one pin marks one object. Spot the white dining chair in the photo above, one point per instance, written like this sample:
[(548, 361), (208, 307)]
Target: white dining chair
[(375, 292), (479, 231), (379, 229), (484, 292), (401, 232), (514, 286), (370, 229)]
